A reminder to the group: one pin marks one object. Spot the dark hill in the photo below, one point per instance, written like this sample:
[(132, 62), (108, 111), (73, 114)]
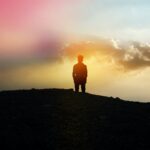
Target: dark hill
[(63, 120)]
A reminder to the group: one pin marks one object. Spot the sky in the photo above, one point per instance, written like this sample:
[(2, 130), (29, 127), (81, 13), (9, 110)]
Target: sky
[(40, 40)]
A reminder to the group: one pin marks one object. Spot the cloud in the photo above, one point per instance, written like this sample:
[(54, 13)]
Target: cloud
[(128, 56), (136, 56), (15, 52)]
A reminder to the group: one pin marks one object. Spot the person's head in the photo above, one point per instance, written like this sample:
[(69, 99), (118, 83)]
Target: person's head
[(80, 58)]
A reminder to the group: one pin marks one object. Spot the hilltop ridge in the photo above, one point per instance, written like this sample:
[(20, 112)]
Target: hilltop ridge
[(61, 119)]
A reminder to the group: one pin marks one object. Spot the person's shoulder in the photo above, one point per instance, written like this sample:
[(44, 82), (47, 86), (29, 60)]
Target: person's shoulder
[(84, 65), (75, 65)]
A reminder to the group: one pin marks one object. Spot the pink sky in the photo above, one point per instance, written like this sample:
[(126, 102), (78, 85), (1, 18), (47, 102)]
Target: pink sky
[(15, 12), (25, 22), (19, 13)]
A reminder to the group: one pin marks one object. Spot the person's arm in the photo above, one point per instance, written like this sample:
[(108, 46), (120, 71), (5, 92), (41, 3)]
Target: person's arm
[(73, 72), (86, 72)]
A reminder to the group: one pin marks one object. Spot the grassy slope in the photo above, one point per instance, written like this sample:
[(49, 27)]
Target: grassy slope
[(61, 119)]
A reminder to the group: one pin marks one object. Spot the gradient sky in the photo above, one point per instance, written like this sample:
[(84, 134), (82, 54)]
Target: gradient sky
[(41, 38)]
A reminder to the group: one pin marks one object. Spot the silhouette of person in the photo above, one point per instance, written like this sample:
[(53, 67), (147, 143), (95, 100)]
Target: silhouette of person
[(80, 74)]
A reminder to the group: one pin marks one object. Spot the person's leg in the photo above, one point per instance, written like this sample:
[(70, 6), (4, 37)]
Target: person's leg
[(76, 87), (83, 87)]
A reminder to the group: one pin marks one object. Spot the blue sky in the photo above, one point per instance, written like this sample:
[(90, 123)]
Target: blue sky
[(116, 18)]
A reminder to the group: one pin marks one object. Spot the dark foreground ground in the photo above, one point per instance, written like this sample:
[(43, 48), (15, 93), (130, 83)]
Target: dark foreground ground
[(62, 120)]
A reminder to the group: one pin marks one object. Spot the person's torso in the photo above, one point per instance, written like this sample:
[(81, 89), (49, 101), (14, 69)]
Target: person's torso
[(80, 70)]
